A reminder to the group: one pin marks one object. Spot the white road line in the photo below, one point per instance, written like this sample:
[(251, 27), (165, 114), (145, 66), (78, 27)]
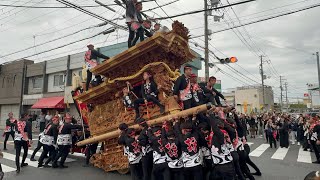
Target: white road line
[(304, 156), (7, 169), (280, 153), (250, 143), (12, 157), (259, 150)]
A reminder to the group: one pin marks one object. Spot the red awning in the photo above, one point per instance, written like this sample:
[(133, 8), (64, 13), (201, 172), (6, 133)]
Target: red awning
[(50, 103)]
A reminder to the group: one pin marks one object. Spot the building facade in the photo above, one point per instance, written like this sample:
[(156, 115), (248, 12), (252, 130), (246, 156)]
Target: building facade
[(12, 85), (249, 99)]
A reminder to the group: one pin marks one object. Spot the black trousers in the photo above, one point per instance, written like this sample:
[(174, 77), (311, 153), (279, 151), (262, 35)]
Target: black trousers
[(47, 149), (147, 165), (62, 153), (315, 149), (267, 137), (42, 126), (92, 149), (131, 36), (193, 173), (272, 140), (39, 146), (223, 172), (7, 134), (207, 168), (161, 172), (243, 165), (141, 101), (177, 174), (236, 164), (136, 171), (139, 34), (190, 103), (19, 145)]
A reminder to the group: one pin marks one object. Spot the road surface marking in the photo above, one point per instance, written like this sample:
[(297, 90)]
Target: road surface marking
[(250, 143), (304, 156), (7, 169), (259, 150), (280, 153), (13, 157)]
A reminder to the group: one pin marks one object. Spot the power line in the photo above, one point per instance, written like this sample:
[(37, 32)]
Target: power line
[(58, 7), (269, 18), (209, 9), (99, 25), (110, 29)]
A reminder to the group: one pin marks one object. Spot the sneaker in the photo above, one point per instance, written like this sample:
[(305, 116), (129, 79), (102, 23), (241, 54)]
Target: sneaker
[(18, 171), (40, 165), (298, 144), (316, 162), (32, 159), (24, 164)]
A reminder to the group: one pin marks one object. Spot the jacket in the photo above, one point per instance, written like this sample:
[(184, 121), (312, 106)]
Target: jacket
[(206, 90), (152, 90)]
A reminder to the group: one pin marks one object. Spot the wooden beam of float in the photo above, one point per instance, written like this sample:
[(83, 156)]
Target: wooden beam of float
[(113, 134)]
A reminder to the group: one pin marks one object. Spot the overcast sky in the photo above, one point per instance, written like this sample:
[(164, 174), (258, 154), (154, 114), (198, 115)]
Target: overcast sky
[(287, 42)]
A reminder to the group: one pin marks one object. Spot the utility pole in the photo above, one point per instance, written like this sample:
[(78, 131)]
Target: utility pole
[(281, 89), (262, 80), (206, 41), (317, 54), (287, 102)]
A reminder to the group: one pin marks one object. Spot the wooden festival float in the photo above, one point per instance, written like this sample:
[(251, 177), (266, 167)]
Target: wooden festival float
[(163, 54)]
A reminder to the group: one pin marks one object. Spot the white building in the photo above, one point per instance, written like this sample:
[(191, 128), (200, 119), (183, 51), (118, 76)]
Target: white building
[(250, 99)]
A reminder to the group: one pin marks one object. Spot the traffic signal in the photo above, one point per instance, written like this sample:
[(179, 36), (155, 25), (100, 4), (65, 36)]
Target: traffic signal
[(228, 60)]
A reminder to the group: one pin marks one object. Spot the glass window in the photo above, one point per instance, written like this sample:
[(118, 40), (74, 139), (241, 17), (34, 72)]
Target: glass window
[(37, 82), (58, 80)]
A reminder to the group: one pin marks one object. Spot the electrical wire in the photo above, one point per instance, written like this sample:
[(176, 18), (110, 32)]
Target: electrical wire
[(210, 9)]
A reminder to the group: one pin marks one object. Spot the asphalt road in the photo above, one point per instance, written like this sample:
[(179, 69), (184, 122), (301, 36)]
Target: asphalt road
[(279, 164)]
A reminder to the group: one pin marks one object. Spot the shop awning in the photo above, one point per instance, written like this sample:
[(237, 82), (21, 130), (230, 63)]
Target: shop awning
[(50, 103)]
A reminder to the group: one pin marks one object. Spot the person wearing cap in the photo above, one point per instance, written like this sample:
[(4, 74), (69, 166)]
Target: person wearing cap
[(160, 166), (64, 141), (49, 141), (22, 139), (211, 94), (173, 151), (147, 151), (91, 60), (189, 138), (9, 130), (221, 147), (129, 140), (182, 89)]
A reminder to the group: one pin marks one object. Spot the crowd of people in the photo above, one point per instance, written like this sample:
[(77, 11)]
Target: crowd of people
[(206, 145), (57, 136), (283, 128)]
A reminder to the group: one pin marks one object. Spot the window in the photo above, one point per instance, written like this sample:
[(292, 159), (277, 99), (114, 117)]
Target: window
[(58, 80), (37, 82)]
